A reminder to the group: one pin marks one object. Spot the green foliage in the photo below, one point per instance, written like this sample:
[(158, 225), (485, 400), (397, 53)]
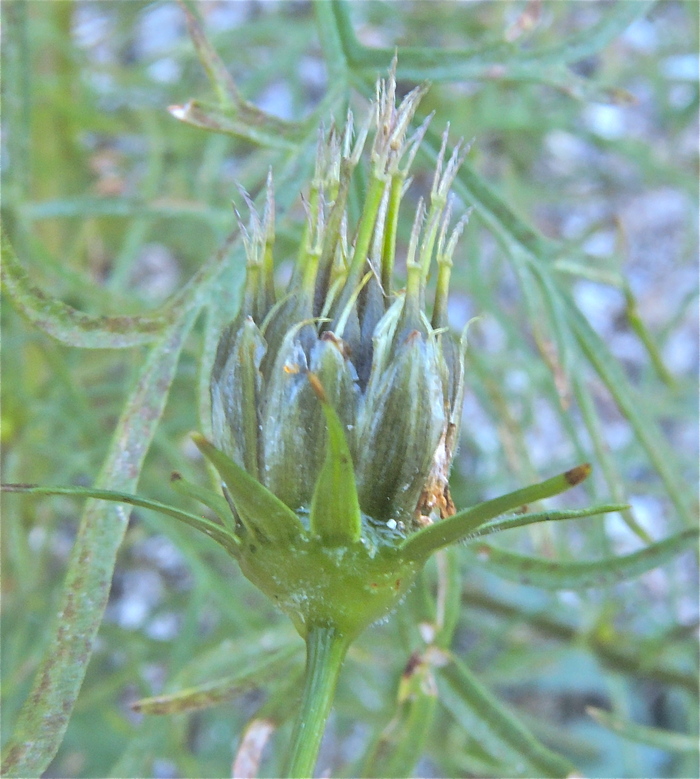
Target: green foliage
[(110, 203)]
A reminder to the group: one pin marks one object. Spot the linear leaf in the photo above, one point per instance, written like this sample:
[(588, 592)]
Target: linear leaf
[(652, 348), (460, 525), (331, 42), (401, 743), (478, 765), (645, 427), (482, 59), (542, 516), (573, 574), (263, 670), (219, 77), (44, 717), (653, 737), (603, 455), (484, 717), (214, 531), (126, 207), (618, 651), (252, 124), (499, 59), (67, 324), (233, 115)]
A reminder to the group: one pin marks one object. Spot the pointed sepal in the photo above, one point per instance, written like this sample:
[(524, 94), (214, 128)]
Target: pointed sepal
[(335, 508), (447, 531), (220, 534), (215, 503), (261, 512)]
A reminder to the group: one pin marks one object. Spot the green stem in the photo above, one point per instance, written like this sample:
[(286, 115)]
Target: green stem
[(365, 228), (325, 651), (392, 222)]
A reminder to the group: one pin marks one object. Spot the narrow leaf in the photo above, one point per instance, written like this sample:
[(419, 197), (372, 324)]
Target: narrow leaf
[(263, 671), (44, 717), (84, 206), (261, 511), (216, 71), (233, 115), (653, 737), (477, 764), (230, 657), (214, 531), (509, 61), (640, 328), (566, 51), (250, 123), (646, 428), (401, 743), (485, 718), (335, 507), (571, 575), (423, 543), (67, 324), (544, 516), (618, 651)]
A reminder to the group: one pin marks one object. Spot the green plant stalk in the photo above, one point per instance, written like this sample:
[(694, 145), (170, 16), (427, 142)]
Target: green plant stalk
[(364, 237), (392, 222), (325, 651)]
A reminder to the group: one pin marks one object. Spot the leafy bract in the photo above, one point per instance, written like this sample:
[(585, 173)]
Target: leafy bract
[(67, 324), (260, 511), (465, 523), (335, 507)]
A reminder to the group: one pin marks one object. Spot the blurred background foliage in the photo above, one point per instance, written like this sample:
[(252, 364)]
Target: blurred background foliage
[(585, 158)]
